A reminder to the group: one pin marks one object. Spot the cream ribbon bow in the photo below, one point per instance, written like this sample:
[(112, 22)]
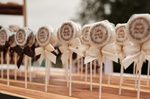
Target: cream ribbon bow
[(69, 48), (108, 51), (46, 52), (120, 51), (84, 49), (137, 53)]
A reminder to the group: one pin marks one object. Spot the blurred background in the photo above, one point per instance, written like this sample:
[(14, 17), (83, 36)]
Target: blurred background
[(42, 12), (54, 12)]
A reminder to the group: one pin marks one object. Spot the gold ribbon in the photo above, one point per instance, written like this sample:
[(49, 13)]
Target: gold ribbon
[(108, 51), (46, 52), (69, 48), (137, 53)]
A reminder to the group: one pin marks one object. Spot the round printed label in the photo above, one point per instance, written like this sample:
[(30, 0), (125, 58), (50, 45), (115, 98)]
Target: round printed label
[(85, 32), (21, 37), (3, 37), (99, 35), (138, 30), (66, 32), (121, 36), (43, 36)]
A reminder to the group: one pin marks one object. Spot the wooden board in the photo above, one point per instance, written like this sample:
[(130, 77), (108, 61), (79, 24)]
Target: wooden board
[(57, 87)]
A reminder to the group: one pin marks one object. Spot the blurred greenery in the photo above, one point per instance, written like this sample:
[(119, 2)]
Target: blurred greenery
[(117, 68), (116, 11), (42, 65)]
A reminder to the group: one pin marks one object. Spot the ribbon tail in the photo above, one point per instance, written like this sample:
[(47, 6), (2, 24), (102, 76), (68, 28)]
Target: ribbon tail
[(78, 56), (41, 58), (76, 51), (19, 62), (89, 59), (51, 57), (141, 59), (65, 57), (30, 54), (120, 55), (110, 56), (129, 59), (99, 61), (147, 57), (39, 50), (61, 49), (49, 48), (37, 57)]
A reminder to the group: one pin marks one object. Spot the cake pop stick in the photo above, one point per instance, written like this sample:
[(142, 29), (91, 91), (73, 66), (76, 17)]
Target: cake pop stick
[(8, 68), (78, 64), (81, 68), (68, 52), (139, 81), (90, 76), (3, 39), (138, 32), (25, 67), (121, 42), (121, 72), (20, 71), (112, 70), (110, 64), (46, 78), (15, 66), (2, 42), (148, 73), (30, 69), (94, 67), (135, 78), (112, 40), (66, 66), (134, 71), (7, 35), (53, 42), (35, 58), (85, 47), (70, 74), (121, 77), (25, 39), (67, 73), (34, 74), (62, 51), (70, 41), (86, 73), (100, 80), (44, 36), (99, 36), (49, 69), (2, 65)]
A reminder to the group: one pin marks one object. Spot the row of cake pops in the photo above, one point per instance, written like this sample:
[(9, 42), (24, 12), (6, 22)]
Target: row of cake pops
[(98, 42), (95, 41), (24, 40)]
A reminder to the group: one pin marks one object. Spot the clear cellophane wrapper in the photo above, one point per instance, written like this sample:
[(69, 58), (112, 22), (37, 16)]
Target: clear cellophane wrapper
[(138, 28), (100, 30)]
